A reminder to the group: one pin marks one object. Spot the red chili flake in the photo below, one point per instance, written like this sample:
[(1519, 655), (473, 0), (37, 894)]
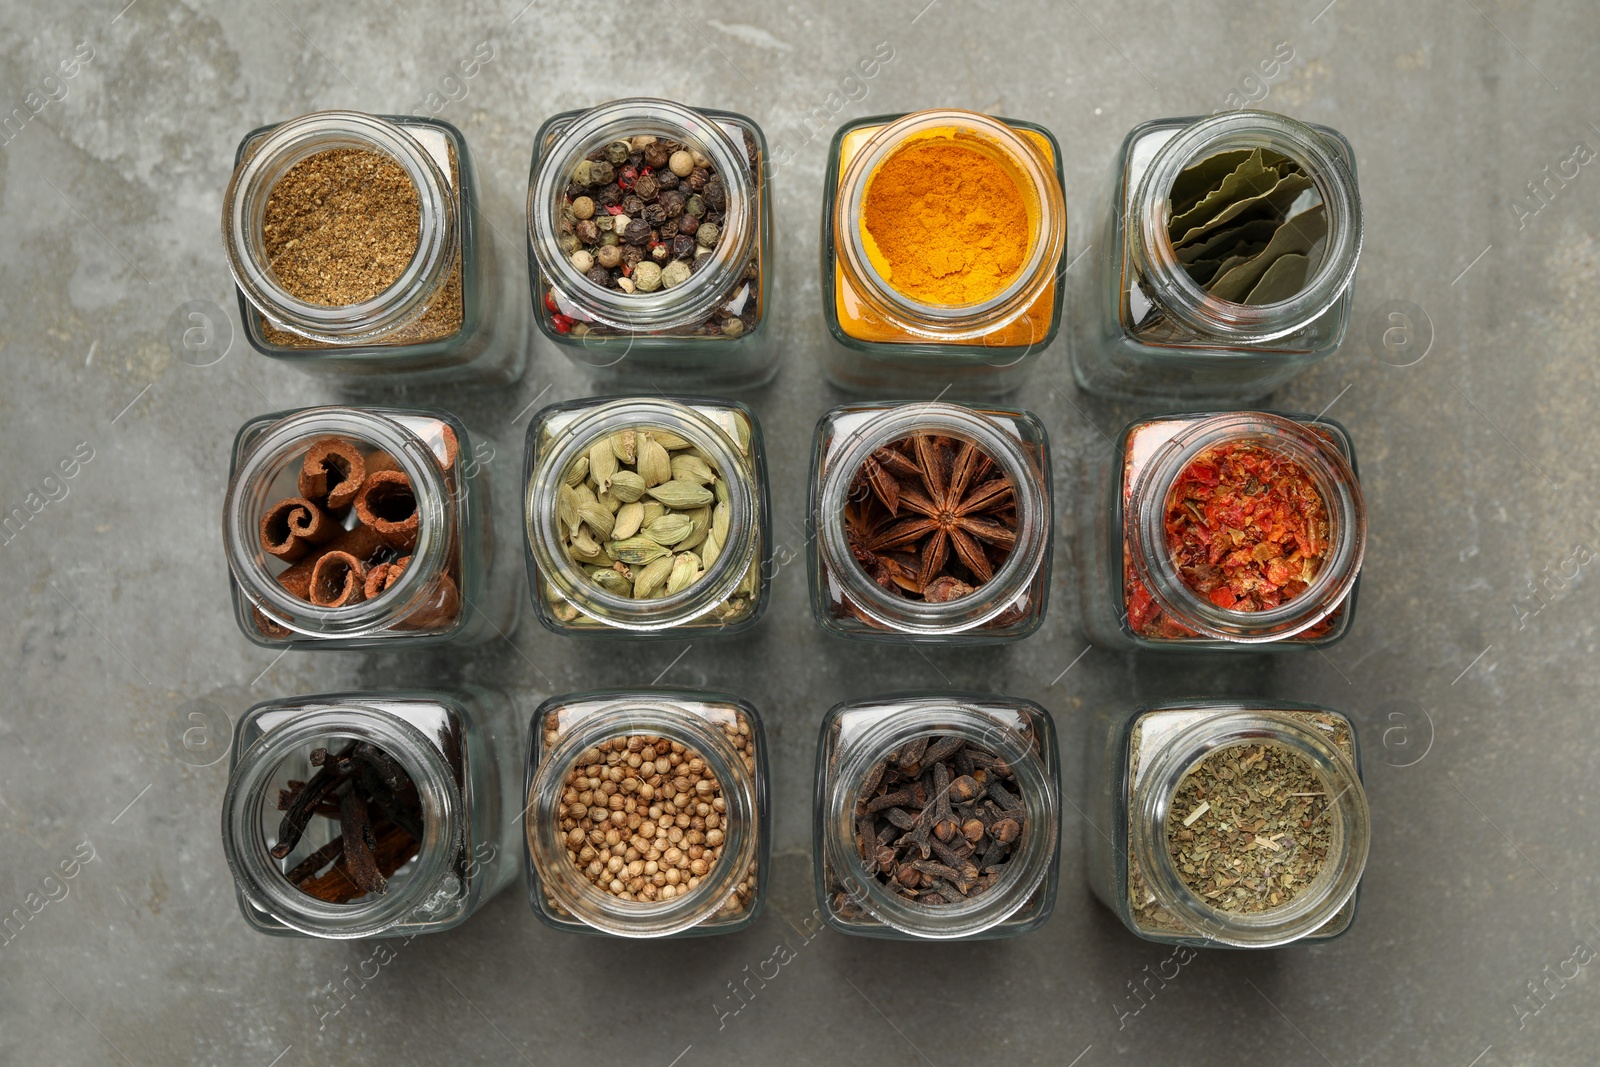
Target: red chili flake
[(1246, 527), (615, 209), (550, 304), (562, 323), (626, 177)]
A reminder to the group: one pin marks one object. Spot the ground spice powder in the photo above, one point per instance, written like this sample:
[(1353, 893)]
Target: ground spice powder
[(945, 223)]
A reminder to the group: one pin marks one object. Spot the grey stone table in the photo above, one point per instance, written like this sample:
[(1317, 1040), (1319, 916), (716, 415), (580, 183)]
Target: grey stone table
[(1480, 463)]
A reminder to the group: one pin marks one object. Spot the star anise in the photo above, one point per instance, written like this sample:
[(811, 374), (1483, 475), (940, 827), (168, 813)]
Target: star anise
[(925, 505)]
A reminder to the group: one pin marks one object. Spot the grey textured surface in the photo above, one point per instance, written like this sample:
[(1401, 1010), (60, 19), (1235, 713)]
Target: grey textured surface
[(1479, 462)]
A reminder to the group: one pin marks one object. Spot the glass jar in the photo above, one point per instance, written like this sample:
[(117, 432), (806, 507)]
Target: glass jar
[(860, 741), (885, 341), (728, 596), (455, 747), (711, 330), (1150, 331), (1137, 762), (1132, 593), (687, 892), (849, 602), (454, 313), (410, 561)]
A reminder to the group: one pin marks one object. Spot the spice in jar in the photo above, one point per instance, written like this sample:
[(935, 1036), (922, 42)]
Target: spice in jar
[(644, 512), (945, 223), (380, 823), (931, 517), (1246, 830), (937, 820), (1245, 225), (643, 214), (348, 531), (644, 818), (340, 227)]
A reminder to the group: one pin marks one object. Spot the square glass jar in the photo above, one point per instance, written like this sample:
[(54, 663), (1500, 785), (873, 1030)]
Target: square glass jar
[(426, 563), (886, 342), (1148, 331), (860, 741), (708, 332), (1130, 596), (730, 592), (848, 602), (458, 273), (1137, 760), (680, 890), (457, 747)]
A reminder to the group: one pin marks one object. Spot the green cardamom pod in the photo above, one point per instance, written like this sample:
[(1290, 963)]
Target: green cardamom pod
[(720, 518), (685, 568), (669, 440), (654, 463), (630, 517), (701, 517), (652, 510), (602, 464), (689, 468), (669, 529), (624, 445), (585, 495), (747, 585), (637, 551), (584, 546), (611, 581), (721, 486), (681, 495), (609, 500), (567, 508), (627, 486), (577, 472), (710, 548), (598, 519), (651, 578)]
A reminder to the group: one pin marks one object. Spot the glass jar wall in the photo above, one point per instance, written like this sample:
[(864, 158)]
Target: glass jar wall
[(937, 817), (1232, 530), (312, 290), (649, 244), (1164, 863), (647, 813), (884, 561), (892, 334), (374, 814), (351, 528), (647, 517), (1194, 316)]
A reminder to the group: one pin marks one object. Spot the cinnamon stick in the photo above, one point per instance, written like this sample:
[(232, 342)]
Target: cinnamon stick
[(292, 525), (332, 472), (388, 504), (337, 579), (362, 542)]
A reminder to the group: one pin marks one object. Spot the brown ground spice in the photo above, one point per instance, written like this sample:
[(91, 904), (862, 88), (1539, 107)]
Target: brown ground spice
[(340, 227)]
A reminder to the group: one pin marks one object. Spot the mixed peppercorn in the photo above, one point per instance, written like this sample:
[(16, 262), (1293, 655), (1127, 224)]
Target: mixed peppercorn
[(643, 214)]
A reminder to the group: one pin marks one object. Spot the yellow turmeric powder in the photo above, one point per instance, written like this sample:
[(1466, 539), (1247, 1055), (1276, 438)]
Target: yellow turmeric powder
[(945, 224)]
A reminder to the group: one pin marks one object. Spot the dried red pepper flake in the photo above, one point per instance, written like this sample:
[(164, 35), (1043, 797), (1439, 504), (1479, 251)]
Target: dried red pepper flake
[(1246, 527), (550, 304)]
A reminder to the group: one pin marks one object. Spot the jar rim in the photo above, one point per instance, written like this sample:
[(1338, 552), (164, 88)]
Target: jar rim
[(264, 459), (979, 725), (590, 426), (846, 455), (1335, 481), (964, 321), (1151, 245), (257, 875), (641, 713), (665, 309), (244, 206), (1314, 905)]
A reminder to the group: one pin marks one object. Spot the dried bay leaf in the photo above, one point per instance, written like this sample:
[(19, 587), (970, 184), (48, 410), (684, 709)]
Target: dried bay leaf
[(1297, 236), (1250, 178), (1221, 244), (1198, 179), (1286, 277), (1273, 203)]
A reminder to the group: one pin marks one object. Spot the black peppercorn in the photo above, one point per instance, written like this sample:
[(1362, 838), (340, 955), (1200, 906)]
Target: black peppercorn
[(632, 206), (661, 252), (602, 173), (587, 231), (682, 246), (688, 224), (637, 233), (669, 229), (654, 214), (697, 179), (575, 190), (646, 188), (667, 180), (657, 154), (672, 203), (600, 276), (631, 255), (609, 195), (715, 195)]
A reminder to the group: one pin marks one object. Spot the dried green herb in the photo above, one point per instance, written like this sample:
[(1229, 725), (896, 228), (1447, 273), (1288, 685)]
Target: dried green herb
[(1246, 829)]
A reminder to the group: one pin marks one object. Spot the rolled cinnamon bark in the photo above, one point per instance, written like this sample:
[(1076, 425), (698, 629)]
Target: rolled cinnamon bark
[(439, 609), (362, 542), (388, 504), (332, 472), (338, 579), (292, 525)]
